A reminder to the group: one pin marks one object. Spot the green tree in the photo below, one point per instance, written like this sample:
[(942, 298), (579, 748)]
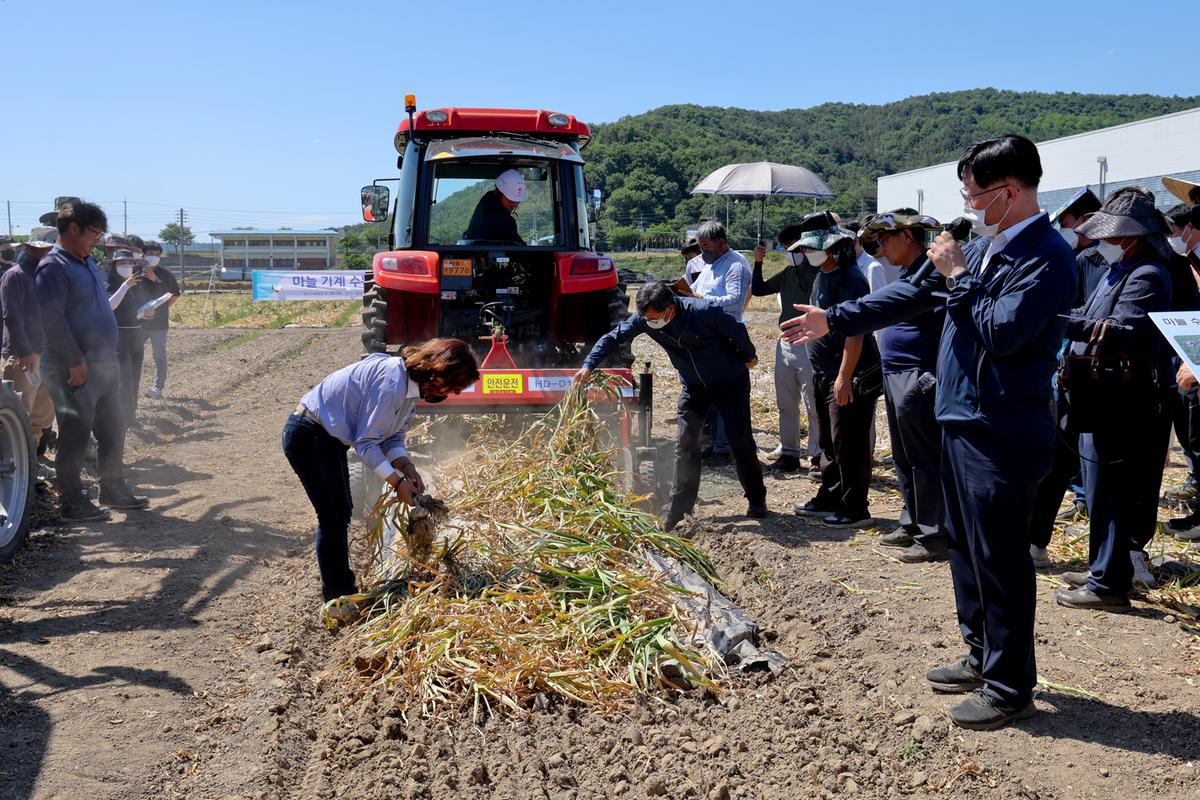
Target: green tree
[(172, 233)]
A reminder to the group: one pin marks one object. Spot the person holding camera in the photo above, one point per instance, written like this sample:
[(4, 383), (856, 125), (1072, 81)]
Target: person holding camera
[(1122, 451), (908, 352), (126, 296), (159, 281)]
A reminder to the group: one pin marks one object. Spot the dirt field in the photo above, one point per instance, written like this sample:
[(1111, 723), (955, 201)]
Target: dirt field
[(176, 652)]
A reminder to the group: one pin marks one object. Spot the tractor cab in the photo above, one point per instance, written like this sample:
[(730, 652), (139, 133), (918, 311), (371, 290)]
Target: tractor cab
[(514, 276)]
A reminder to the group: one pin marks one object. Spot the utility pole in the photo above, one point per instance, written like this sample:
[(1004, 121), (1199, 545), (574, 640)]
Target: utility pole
[(125, 214), (182, 220), (9, 204)]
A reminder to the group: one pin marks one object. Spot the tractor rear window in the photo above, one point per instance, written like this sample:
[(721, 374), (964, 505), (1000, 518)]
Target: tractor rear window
[(467, 207)]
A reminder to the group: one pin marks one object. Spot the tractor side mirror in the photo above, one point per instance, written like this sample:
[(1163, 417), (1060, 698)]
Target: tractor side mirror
[(375, 203)]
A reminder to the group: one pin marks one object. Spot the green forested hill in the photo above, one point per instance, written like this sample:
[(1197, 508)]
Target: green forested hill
[(646, 165)]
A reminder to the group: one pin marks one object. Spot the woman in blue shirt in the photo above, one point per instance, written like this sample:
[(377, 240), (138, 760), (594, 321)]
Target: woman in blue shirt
[(369, 406)]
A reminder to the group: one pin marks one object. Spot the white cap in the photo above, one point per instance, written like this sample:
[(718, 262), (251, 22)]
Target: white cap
[(511, 185)]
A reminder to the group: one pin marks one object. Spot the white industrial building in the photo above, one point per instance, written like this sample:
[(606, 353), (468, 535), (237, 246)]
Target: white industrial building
[(1137, 153)]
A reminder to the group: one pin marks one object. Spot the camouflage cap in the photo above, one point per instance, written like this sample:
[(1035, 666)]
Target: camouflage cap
[(50, 217), (896, 221), (820, 231), (821, 239)]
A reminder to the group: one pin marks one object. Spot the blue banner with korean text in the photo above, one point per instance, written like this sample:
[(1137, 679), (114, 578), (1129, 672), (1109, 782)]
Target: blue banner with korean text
[(307, 284)]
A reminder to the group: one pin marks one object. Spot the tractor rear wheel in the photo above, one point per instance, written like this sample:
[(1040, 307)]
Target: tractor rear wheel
[(18, 467), (374, 318)]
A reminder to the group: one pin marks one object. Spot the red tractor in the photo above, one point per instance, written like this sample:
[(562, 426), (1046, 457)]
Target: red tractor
[(532, 301)]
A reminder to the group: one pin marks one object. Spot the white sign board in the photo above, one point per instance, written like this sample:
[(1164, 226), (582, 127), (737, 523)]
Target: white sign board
[(1182, 331)]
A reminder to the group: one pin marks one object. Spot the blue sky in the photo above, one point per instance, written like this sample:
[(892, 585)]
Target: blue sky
[(274, 113)]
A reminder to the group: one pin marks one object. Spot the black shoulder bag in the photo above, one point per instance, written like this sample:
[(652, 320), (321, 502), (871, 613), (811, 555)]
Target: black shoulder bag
[(1104, 391)]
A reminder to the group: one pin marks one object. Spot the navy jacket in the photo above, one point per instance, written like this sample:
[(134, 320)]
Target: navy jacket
[(1126, 295), (20, 310), (491, 220), (999, 348), (706, 345), (77, 321)]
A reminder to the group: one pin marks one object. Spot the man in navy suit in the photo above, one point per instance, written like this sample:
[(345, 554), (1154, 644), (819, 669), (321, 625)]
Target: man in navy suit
[(998, 352)]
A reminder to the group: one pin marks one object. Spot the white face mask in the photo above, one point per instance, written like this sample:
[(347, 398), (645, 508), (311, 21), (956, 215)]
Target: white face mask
[(657, 324), (1069, 236), (1177, 245), (1111, 253), (152, 261), (816, 257), (124, 270), (976, 217), (795, 259)]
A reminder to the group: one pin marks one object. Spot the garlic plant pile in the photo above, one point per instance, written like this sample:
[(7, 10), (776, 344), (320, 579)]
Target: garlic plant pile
[(538, 591)]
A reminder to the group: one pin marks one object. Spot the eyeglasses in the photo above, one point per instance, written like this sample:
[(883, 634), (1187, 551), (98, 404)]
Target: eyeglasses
[(968, 196), (94, 230)]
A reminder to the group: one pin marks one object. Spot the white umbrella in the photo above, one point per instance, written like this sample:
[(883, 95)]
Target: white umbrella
[(764, 179)]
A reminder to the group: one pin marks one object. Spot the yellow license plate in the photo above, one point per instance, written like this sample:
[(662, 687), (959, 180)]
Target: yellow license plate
[(502, 384), (457, 267)]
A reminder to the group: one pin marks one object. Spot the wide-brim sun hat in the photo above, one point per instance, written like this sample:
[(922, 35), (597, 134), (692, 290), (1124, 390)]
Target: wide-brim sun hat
[(1129, 211), (1186, 191)]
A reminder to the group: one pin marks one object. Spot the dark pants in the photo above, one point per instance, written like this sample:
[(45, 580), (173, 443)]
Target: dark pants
[(989, 480), (1182, 422), (131, 349), (93, 409), (732, 401), (319, 460), (1064, 470), (917, 454), (845, 434), (1122, 472), (158, 348)]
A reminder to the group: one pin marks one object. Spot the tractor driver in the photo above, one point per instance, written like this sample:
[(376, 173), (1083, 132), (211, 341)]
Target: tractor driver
[(493, 218)]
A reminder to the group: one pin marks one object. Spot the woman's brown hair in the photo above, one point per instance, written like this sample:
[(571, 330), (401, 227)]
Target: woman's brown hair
[(449, 362)]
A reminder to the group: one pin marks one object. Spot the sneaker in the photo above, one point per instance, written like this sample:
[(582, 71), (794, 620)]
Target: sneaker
[(154, 393), (1190, 535), (1143, 577), (1182, 492), (815, 474), (1076, 579), (757, 510), (715, 459), (123, 498), (919, 554), (982, 712), (44, 473), (339, 611), (955, 679), (812, 509), (1181, 524), (1085, 598), (840, 520), (1040, 556), (83, 510), (785, 463), (1078, 510), (897, 538)]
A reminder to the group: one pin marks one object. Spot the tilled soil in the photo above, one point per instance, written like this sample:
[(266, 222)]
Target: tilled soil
[(177, 653)]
